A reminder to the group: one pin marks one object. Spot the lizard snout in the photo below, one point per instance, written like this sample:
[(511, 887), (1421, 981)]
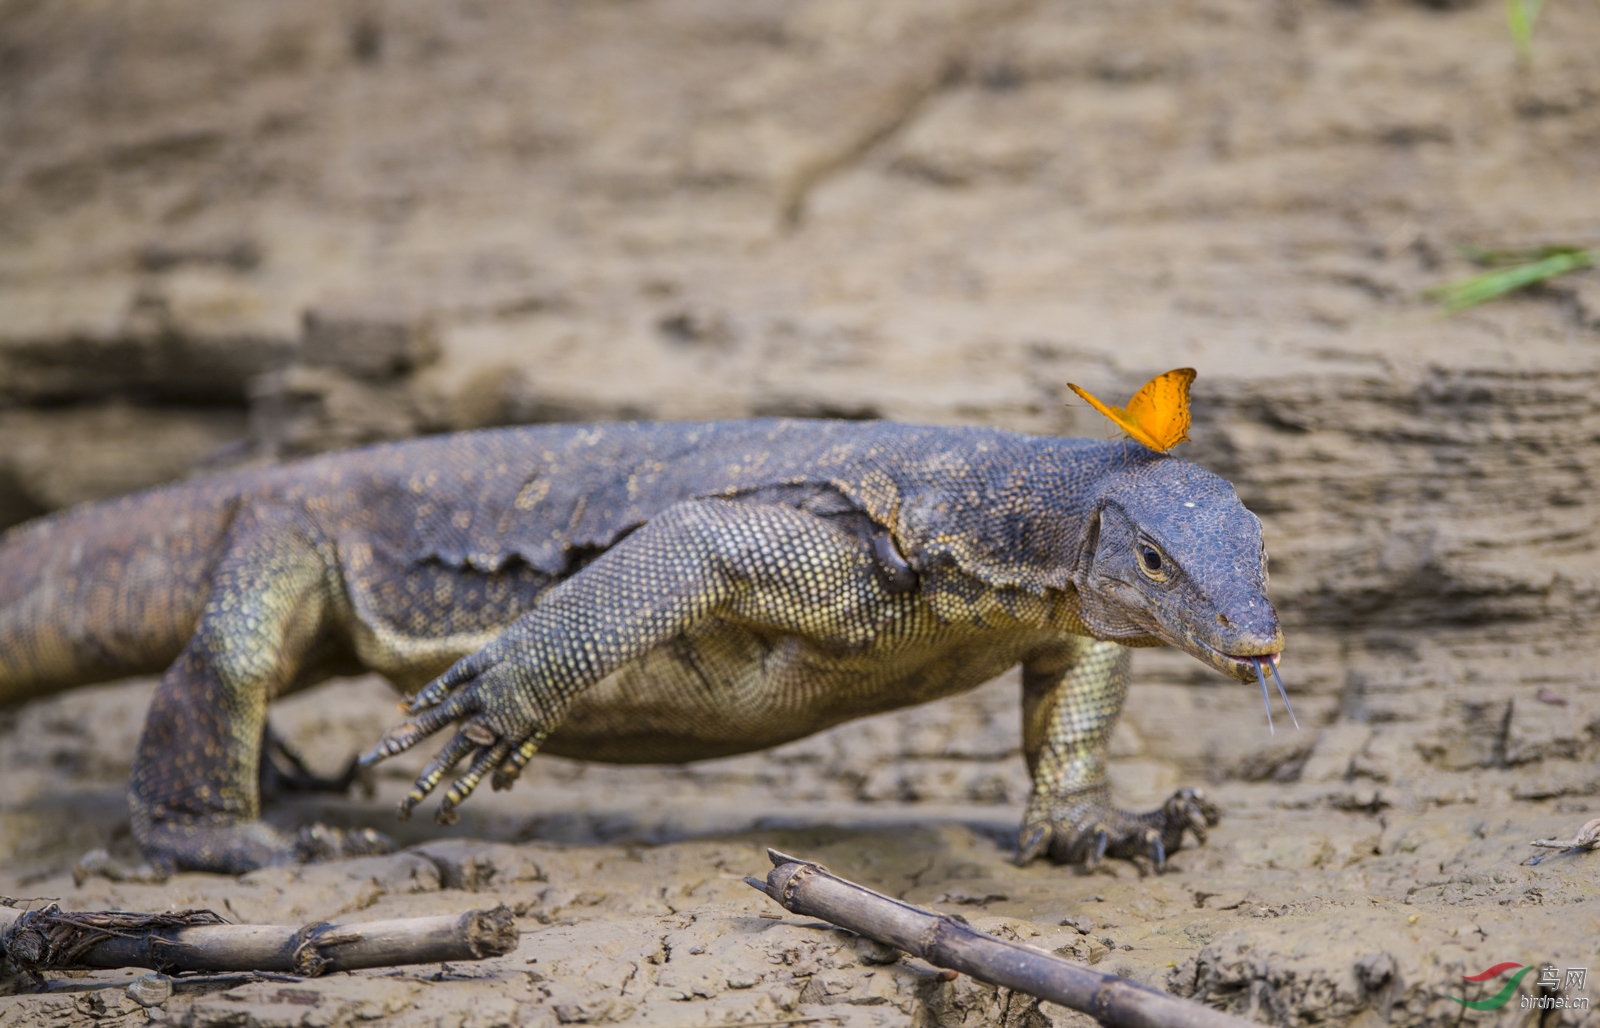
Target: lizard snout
[(1242, 646)]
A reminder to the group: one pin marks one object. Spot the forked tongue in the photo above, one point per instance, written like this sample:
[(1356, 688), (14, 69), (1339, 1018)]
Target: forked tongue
[(1266, 697)]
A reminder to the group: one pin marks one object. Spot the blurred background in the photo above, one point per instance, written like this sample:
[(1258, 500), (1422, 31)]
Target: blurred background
[(236, 233)]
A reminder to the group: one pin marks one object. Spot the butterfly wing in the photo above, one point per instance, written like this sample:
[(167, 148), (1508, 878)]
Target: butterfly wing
[(1118, 416), (1161, 410)]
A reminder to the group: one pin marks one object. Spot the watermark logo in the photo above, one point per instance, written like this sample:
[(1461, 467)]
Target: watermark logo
[(1500, 998), (1550, 978)]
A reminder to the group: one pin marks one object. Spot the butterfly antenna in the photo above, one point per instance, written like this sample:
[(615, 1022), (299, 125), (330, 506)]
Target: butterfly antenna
[(1282, 692), (1266, 698)]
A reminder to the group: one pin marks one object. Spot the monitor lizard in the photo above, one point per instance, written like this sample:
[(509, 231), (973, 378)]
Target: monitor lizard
[(644, 592)]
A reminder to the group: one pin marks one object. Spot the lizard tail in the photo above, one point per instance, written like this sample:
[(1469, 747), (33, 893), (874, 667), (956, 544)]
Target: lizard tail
[(106, 590)]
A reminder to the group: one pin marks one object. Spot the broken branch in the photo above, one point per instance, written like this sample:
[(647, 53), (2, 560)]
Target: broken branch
[(51, 939), (1588, 838), (945, 941)]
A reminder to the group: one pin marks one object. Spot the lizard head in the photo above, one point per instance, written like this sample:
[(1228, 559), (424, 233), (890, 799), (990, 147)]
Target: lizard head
[(1171, 555)]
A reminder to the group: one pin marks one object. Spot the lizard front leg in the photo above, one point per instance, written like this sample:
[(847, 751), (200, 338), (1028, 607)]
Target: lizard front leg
[(1072, 698), (775, 566)]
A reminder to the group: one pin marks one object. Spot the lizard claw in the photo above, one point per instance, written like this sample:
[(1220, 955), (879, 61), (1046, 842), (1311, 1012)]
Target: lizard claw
[(508, 772), (1086, 847), (404, 736), (1199, 820), (323, 842), (1185, 809), (1097, 853), (487, 759), (1089, 830), (1032, 842), (434, 773), (1155, 850), (494, 753), (460, 673)]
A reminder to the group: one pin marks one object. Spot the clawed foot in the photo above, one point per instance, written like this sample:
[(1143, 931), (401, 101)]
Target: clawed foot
[(101, 863), (1087, 831), (324, 842), (498, 727)]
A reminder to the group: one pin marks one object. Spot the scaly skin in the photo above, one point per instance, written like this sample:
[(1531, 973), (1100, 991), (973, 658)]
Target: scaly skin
[(640, 593)]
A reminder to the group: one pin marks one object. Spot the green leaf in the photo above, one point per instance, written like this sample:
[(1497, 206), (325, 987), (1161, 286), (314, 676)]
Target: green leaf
[(1458, 296)]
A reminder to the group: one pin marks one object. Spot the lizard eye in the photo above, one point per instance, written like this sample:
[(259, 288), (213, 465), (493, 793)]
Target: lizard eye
[(1151, 562)]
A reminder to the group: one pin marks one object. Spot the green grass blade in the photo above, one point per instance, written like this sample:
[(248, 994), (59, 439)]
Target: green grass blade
[(1469, 292), (1499, 258), (1520, 16)]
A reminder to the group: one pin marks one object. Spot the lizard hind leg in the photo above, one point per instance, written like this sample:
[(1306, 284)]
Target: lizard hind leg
[(1072, 698), (195, 793)]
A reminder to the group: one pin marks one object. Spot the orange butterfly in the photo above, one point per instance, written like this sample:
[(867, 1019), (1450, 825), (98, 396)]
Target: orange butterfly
[(1158, 414)]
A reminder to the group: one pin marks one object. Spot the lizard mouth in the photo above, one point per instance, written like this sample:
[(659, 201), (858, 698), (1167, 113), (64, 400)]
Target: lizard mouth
[(1246, 666), (1240, 665), (1250, 661)]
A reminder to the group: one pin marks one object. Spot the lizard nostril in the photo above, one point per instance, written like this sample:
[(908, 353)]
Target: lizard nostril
[(1222, 619)]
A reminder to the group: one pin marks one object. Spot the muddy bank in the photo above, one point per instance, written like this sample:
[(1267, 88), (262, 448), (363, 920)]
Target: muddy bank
[(232, 235)]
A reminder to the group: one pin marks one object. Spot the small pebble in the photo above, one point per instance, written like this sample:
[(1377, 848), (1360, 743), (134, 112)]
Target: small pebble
[(150, 990)]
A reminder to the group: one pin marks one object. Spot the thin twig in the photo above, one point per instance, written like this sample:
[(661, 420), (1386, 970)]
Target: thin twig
[(765, 1024), (949, 942), (1588, 838)]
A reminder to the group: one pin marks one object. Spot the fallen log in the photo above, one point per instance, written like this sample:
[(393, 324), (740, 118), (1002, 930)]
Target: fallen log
[(52, 939), (949, 942)]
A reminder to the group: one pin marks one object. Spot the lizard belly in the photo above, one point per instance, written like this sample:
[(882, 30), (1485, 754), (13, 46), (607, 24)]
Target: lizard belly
[(732, 689)]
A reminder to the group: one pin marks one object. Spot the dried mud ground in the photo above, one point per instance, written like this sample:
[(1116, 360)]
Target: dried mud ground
[(1317, 900), (236, 233)]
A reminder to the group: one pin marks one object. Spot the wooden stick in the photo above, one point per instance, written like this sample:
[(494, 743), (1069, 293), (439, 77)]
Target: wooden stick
[(51, 939), (946, 941), (770, 1024)]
